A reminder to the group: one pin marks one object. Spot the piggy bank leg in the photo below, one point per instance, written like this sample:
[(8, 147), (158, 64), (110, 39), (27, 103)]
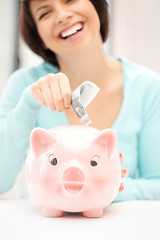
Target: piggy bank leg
[(93, 213), (49, 212)]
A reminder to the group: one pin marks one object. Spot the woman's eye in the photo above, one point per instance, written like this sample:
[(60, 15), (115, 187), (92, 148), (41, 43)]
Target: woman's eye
[(69, 0), (53, 160), (43, 15)]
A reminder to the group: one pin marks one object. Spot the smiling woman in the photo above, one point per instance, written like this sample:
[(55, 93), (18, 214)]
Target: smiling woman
[(29, 29)]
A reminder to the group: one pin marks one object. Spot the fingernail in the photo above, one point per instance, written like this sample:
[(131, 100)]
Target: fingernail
[(121, 188), (120, 154)]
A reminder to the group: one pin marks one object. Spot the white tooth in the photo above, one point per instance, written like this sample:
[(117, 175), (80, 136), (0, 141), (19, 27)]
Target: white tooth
[(78, 26), (71, 31)]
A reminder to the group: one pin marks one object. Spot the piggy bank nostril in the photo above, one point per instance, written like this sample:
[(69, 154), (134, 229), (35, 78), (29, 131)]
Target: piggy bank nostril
[(73, 174), (73, 180)]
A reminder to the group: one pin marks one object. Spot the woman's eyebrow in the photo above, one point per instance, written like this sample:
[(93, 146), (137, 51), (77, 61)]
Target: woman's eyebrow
[(41, 7)]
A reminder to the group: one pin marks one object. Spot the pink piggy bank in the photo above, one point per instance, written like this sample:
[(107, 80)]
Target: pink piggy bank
[(73, 168)]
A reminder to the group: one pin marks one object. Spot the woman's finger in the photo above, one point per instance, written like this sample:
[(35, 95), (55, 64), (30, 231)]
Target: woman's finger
[(121, 157), (124, 172), (37, 94), (65, 90), (47, 94), (121, 188), (56, 93)]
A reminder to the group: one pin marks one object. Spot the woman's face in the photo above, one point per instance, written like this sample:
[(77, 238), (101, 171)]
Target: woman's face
[(66, 26)]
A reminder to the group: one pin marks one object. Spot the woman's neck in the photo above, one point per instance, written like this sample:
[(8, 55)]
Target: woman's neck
[(92, 65)]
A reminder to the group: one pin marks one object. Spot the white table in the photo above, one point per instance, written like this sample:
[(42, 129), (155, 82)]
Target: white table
[(22, 220)]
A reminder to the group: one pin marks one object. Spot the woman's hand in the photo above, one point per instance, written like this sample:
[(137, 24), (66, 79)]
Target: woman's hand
[(124, 172), (53, 91)]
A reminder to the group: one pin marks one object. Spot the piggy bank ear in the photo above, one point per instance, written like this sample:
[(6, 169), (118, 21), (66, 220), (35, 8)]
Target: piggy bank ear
[(108, 139), (41, 141)]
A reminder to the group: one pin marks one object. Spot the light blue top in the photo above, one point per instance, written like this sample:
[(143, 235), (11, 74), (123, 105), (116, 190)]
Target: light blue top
[(137, 126)]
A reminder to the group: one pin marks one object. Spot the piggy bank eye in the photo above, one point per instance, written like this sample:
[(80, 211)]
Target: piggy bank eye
[(53, 161), (94, 161)]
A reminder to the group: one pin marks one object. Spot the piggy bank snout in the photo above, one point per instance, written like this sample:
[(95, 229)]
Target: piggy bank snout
[(73, 179)]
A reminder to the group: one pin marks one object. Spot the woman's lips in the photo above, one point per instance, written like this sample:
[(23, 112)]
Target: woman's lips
[(72, 32)]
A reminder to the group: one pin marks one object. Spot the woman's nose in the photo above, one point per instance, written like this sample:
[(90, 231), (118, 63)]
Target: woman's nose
[(62, 16)]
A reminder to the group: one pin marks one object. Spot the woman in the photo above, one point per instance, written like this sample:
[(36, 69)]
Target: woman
[(69, 36)]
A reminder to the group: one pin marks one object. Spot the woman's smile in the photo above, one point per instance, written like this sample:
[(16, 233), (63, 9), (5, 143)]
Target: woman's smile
[(72, 32)]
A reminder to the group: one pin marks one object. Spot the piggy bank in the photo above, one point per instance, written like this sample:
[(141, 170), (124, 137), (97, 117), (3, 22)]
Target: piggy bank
[(73, 168)]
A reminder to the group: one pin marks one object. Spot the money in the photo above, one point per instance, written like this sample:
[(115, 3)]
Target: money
[(81, 97)]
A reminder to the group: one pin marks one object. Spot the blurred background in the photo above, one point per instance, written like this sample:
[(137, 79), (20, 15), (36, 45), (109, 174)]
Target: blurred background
[(134, 34)]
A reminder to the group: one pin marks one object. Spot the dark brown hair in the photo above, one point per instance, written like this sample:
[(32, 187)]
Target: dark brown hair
[(30, 35)]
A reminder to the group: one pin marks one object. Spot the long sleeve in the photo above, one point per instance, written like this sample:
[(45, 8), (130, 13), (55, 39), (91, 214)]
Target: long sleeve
[(18, 114), (144, 181), (139, 189)]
